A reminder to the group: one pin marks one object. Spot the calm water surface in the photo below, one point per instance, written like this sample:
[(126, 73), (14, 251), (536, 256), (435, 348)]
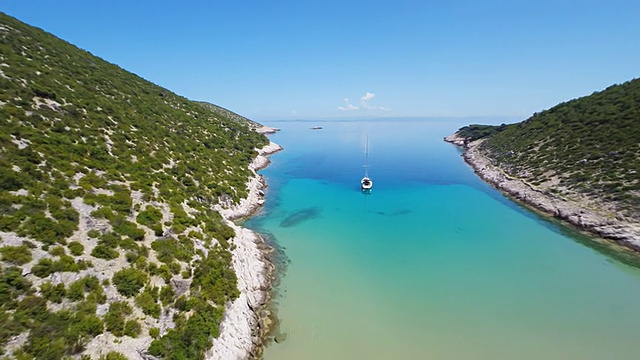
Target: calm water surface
[(434, 264)]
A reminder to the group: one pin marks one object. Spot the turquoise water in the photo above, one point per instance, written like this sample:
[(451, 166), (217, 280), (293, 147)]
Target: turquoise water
[(434, 264)]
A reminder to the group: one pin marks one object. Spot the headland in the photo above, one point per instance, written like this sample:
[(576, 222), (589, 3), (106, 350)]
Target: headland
[(592, 217)]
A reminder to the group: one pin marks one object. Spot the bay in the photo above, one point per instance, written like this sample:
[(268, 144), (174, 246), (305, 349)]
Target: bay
[(434, 263)]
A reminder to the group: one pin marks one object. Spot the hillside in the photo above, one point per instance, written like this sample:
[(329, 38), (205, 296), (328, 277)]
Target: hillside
[(585, 151), (107, 189), (230, 114)]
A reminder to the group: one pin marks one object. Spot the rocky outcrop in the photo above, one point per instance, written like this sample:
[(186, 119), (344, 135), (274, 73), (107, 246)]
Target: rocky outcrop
[(255, 199), (267, 130), (586, 215), (243, 327)]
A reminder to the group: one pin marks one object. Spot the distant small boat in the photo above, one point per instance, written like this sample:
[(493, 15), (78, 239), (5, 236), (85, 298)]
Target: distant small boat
[(316, 128), (366, 183)]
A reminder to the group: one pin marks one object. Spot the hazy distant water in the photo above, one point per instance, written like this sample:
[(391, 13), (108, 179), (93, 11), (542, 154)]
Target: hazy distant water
[(434, 264)]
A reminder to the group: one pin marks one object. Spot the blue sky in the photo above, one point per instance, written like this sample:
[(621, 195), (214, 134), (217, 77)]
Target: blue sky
[(282, 59)]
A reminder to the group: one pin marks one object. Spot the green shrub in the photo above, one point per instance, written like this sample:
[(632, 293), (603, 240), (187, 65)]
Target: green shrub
[(149, 217), (166, 295), (110, 239), (180, 303), (76, 291), (132, 328), (18, 255), (46, 230), (78, 288), (148, 304), (214, 279), (157, 230), (31, 308), (92, 180), (131, 257), (127, 228), (97, 295), (189, 340), (46, 266), (91, 325), (53, 293), (43, 268), (169, 249), (129, 244), (165, 273), (103, 251), (76, 248), (129, 281), (59, 334), (113, 355), (141, 263), (103, 212), (115, 318), (57, 251), (12, 285)]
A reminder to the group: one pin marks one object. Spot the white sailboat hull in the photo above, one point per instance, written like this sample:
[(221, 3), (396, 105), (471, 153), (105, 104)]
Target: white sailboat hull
[(366, 183)]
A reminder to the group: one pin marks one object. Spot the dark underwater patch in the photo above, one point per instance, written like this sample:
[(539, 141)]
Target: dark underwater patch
[(401, 212), (300, 216), (394, 213)]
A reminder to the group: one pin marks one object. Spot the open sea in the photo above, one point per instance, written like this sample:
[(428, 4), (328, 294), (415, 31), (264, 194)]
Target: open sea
[(434, 263)]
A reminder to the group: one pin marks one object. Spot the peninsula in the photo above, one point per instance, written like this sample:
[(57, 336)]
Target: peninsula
[(578, 161)]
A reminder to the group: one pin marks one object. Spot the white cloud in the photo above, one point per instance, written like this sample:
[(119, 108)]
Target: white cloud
[(364, 100), (348, 106), (364, 104), (367, 96)]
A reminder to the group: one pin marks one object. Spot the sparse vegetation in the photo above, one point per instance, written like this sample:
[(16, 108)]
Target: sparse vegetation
[(191, 337), (115, 319), (476, 131), (76, 248), (589, 145), (79, 132), (113, 355), (129, 281), (47, 266), (148, 302), (54, 335), (53, 293), (18, 255)]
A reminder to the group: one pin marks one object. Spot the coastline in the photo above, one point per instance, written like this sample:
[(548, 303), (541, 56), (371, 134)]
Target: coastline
[(591, 218), (246, 319)]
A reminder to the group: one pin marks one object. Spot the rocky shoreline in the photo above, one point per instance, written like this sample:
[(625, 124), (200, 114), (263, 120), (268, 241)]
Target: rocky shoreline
[(594, 219), (246, 320)]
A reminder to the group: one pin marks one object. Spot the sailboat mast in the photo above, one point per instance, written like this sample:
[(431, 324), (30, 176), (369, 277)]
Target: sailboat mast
[(366, 184), (366, 158)]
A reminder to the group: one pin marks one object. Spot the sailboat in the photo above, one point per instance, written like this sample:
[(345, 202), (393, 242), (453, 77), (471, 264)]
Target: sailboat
[(366, 183)]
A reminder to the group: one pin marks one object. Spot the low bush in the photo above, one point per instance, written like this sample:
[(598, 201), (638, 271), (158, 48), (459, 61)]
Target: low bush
[(148, 304), (53, 293), (103, 251), (129, 281), (115, 319), (18, 255), (76, 248)]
